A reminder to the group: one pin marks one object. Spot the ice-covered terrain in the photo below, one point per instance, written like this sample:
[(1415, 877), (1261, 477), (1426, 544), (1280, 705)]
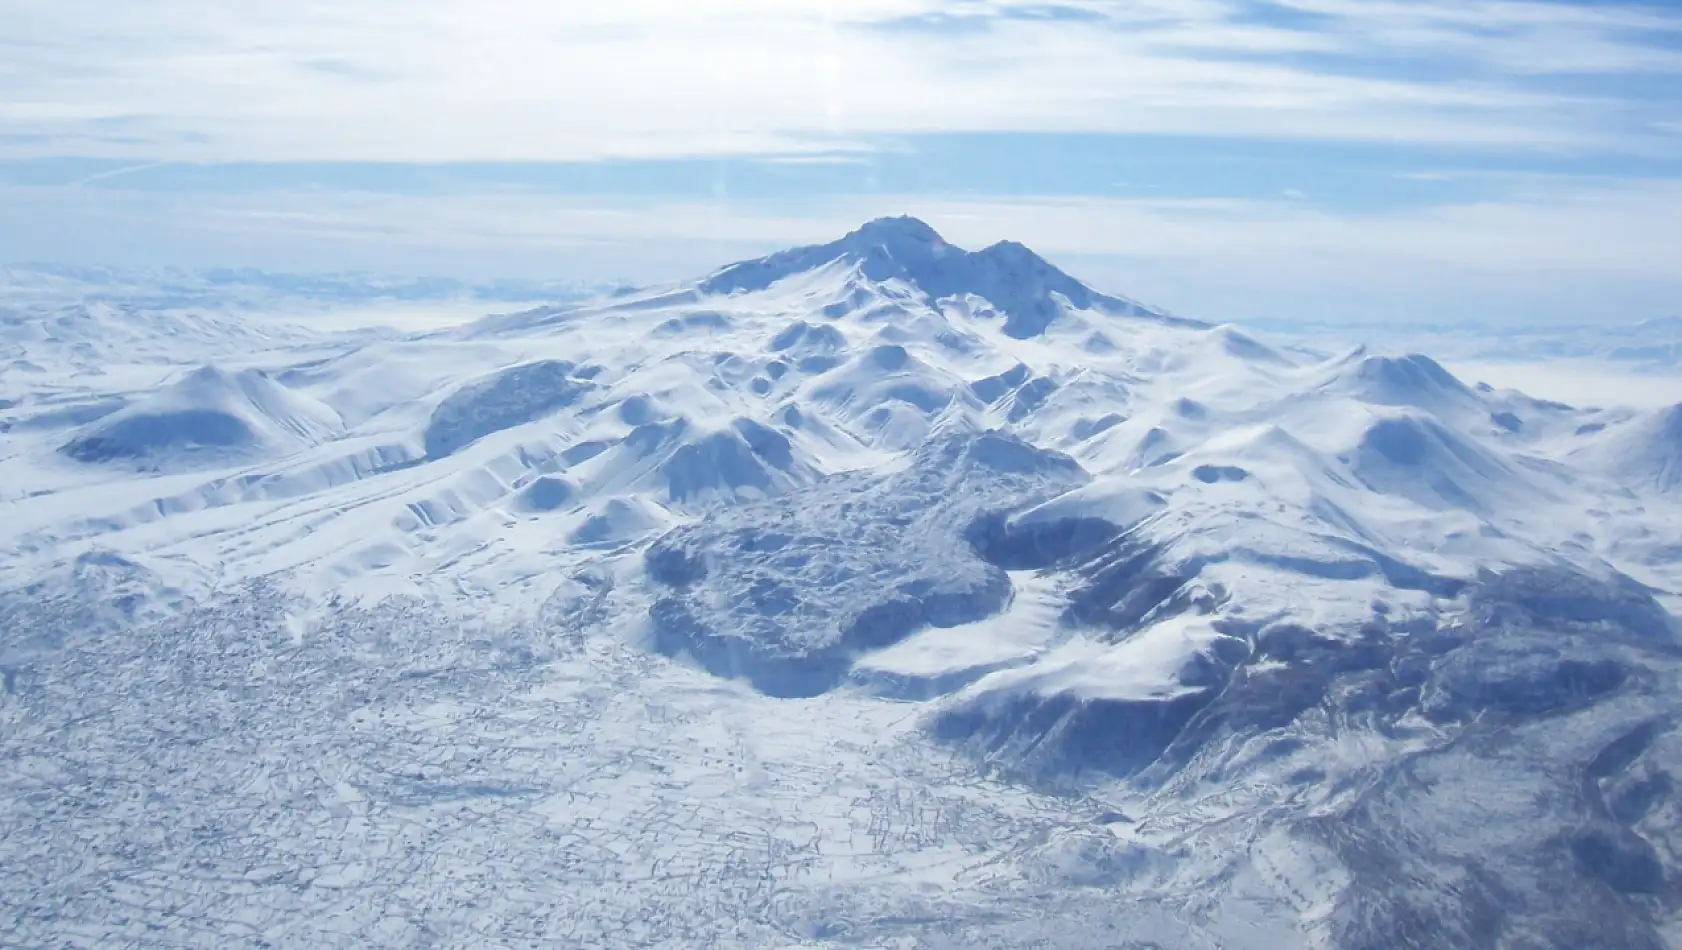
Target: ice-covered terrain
[(880, 594)]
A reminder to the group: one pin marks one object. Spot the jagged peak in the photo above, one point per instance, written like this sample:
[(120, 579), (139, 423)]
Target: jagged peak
[(883, 248), (1026, 289)]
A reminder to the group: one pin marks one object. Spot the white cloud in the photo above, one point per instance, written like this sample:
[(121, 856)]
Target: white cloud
[(1514, 36), (439, 80)]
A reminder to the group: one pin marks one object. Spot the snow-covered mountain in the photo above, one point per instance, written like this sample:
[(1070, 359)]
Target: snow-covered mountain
[(873, 593)]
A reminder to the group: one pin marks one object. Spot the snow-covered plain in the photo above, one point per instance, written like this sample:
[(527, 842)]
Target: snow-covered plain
[(876, 594)]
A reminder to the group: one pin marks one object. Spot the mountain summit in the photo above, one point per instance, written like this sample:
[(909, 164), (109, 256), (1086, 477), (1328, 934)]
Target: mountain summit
[(1022, 286)]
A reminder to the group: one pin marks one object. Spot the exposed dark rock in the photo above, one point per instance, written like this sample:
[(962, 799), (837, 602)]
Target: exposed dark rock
[(510, 398)]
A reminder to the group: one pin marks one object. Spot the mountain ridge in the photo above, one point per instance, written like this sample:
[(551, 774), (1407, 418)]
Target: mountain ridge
[(1008, 274), (876, 592)]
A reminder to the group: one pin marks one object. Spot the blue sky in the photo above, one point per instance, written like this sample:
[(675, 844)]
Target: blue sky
[(1361, 160)]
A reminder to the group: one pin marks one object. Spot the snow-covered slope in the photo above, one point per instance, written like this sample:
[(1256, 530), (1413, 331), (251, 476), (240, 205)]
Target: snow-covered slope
[(993, 610), (1645, 450), (208, 417)]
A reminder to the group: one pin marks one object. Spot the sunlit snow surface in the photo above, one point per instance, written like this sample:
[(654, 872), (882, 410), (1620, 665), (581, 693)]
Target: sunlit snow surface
[(878, 594)]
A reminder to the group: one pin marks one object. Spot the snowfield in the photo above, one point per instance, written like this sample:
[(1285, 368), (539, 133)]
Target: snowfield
[(876, 594)]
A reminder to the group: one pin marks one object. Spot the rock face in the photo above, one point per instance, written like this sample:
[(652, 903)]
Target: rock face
[(509, 398), (789, 593)]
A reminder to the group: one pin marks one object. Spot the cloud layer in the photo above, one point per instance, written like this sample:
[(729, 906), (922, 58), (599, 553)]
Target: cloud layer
[(450, 80)]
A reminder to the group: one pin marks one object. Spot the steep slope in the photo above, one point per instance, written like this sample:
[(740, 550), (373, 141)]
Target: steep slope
[(1643, 452)]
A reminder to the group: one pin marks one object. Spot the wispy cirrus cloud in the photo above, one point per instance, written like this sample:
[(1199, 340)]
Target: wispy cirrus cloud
[(446, 80)]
